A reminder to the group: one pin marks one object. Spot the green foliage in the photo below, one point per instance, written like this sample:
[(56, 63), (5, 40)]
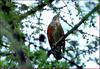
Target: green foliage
[(78, 8), (46, 1), (40, 55), (97, 60)]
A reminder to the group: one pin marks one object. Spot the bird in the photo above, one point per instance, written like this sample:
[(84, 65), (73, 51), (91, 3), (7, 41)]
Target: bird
[(54, 33)]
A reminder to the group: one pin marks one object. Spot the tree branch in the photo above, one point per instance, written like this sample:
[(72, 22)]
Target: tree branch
[(73, 63), (82, 32), (77, 25), (34, 10)]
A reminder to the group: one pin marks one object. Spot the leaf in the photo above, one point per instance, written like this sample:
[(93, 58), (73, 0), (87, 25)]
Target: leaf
[(46, 1)]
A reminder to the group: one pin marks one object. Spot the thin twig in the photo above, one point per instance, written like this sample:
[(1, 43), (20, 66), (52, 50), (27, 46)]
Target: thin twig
[(34, 10)]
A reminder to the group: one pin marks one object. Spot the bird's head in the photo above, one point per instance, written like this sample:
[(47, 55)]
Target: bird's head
[(55, 20), (56, 17)]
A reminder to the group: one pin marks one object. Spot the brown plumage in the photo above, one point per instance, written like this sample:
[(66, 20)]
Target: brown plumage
[(54, 33)]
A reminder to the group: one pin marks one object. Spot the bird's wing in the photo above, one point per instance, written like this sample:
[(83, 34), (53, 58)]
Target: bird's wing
[(50, 35), (60, 29)]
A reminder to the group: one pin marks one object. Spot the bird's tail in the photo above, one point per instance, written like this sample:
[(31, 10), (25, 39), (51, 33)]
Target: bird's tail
[(49, 53), (56, 53)]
